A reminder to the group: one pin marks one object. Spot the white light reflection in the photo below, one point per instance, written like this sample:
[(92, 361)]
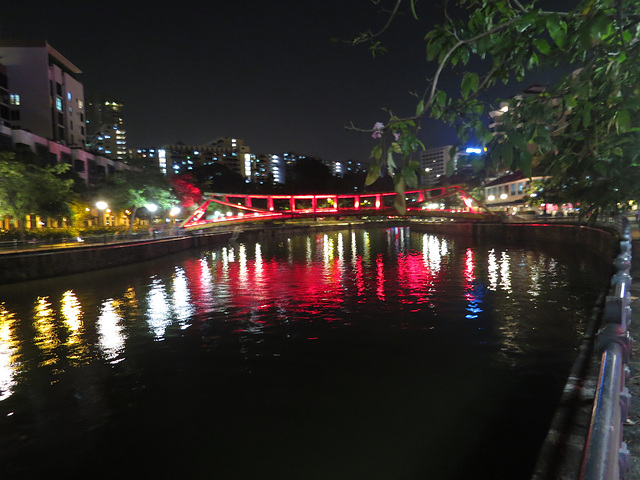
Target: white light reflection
[(258, 260), (159, 313), (110, 333), (181, 298), (535, 275), (8, 353), (505, 272), (242, 260), (340, 249), (308, 252), (492, 270), (432, 252), (354, 248)]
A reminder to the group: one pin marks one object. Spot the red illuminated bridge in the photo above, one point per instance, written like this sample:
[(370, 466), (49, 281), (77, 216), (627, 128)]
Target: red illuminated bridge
[(226, 208)]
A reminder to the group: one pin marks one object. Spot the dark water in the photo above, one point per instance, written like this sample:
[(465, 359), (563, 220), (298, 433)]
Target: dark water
[(379, 354)]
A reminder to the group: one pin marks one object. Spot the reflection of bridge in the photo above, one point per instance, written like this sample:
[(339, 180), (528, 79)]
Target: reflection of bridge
[(225, 208)]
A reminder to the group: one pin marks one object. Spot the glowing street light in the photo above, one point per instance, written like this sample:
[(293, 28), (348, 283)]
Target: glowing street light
[(102, 206)]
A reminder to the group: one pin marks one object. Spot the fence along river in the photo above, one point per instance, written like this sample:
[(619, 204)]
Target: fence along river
[(373, 353)]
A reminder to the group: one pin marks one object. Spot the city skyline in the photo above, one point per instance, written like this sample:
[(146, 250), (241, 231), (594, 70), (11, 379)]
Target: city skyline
[(267, 73)]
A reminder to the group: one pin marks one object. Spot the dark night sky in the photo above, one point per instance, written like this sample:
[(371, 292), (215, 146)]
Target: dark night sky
[(265, 71)]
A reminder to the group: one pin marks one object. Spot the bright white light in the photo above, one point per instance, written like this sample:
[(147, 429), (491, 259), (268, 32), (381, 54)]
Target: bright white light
[(174, 211), (505, 108), (503, 196), (491, 198), (151, 207), (101, 205), (473, 150)]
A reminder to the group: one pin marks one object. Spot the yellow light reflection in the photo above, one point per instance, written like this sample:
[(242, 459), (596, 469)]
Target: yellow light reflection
[(46, 339), (366, 248), (71, 311), (8, 353)]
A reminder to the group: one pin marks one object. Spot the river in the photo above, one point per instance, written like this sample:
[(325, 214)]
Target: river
[(367, 354)]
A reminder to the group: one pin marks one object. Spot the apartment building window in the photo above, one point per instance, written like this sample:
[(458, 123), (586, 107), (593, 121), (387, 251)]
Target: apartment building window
[(14, 99), (80, 104), (513, 189), (520, 188), (58, 104)]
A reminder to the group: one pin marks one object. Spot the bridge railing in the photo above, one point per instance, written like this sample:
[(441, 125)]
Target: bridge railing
[(606, 455)]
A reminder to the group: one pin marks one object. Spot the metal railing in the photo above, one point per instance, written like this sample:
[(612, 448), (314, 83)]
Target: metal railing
[(606, 456), (95, 239)]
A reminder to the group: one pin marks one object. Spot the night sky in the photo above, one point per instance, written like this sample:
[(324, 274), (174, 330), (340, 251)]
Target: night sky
[(265, 71)]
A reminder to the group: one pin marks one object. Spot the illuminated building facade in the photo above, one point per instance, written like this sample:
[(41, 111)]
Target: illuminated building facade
[(8, 102), (46, 91), (433, 163), (106, 134), (180, 158)]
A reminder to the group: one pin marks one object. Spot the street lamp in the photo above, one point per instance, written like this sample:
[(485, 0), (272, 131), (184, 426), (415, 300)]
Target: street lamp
[(101, 206)]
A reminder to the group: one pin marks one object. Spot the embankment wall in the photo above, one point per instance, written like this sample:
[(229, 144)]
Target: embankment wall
[(40, 263)]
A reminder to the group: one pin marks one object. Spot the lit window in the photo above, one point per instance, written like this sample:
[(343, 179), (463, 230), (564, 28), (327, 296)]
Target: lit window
[(15, 99), (59, 104), (80, 104), (69, 96)]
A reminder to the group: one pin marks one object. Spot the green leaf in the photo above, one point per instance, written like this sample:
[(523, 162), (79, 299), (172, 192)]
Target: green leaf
[(373, 175), (469, 82), (420, 108), (376, 152), (542, 45), (410, 177), (517, 139), (623, 121)]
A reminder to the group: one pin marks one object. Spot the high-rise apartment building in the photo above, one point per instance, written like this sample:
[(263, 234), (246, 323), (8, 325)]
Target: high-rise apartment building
[(433, 163), (8, 112), (106, 134), (48, 95), (230, 152)]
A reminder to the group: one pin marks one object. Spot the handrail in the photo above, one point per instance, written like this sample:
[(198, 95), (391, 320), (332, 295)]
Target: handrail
[(606, 456)]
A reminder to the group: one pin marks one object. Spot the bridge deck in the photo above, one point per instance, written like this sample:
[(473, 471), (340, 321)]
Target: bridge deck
[(223, 208)]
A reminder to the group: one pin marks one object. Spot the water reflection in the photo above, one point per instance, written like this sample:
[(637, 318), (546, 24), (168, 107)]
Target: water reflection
[(261, 306), (111, 335), (9, 353), (237, 282)]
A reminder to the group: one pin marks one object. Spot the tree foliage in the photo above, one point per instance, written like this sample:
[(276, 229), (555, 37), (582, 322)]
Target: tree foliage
[(135, 189), (27, 189), (582, 131)]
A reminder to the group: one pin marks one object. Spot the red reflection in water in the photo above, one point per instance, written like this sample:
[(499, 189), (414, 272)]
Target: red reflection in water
[(319, 288)]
